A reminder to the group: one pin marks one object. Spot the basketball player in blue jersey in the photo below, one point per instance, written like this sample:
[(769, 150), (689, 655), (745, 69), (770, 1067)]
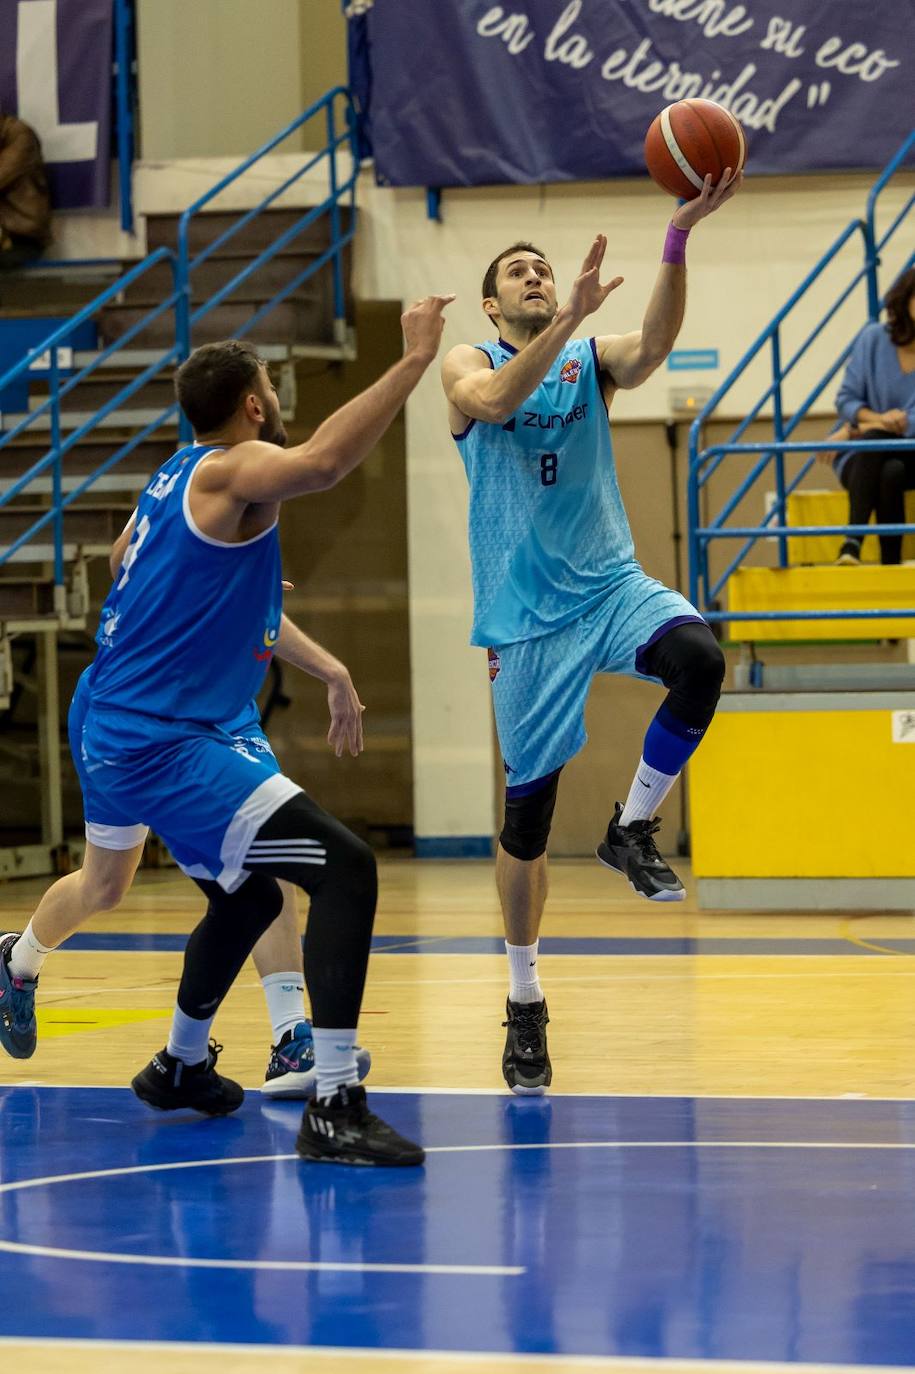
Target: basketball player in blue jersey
[(185, 639), (558, 593)]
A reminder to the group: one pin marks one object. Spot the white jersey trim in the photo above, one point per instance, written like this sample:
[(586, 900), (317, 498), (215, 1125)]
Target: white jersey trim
[(208, 538), (254, 812)]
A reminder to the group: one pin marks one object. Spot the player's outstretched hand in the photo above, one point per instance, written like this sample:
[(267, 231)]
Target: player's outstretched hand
[(346, 710), (709, 199), (587, 293), (423, 324)]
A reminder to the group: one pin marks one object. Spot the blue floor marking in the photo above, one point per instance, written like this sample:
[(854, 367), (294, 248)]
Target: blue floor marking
[(127, 942), (689, 1251)]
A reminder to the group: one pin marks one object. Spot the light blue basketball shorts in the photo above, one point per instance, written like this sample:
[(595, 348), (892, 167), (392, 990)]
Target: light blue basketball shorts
[(540, 686), (206, 791)]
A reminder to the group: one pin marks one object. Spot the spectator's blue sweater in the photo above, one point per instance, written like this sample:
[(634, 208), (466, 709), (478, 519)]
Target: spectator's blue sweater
[(874, 378)]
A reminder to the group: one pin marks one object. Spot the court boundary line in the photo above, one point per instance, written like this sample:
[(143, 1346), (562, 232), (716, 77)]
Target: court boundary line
[(504, 1092), (650, 1364)]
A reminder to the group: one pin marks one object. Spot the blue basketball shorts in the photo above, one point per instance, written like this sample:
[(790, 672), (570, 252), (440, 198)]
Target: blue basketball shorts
[(205, 791), (540, 686)]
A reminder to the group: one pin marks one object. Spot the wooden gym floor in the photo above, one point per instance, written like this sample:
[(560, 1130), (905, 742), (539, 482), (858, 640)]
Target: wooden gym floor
[(721, 1176)]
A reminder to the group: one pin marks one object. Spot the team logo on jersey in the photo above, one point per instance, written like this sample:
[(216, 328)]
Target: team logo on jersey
[(265, 654), (109, 628), (495, 664), (570, 370)]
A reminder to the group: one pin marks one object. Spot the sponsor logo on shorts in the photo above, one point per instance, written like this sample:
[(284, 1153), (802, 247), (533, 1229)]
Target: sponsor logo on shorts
[(534, 421), (570, 370), (495, 664)]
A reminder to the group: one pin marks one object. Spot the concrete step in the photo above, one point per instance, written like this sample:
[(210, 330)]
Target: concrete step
[(303, 320), (260, 233), (94, 392), (129, 475), (85, 525), (26, 598), (124, 420), (211, 276)]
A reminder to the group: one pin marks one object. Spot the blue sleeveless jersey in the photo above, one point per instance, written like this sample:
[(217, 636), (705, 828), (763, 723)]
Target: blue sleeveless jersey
[(549, 535), (188, 628)]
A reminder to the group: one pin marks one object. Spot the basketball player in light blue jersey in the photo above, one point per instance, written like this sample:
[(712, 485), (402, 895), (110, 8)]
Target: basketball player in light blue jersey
[(558, 592), (184, 642)]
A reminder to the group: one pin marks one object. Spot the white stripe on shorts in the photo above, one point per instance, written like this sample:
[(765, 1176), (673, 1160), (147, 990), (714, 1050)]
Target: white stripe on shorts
[(254, 812), (116, 836)]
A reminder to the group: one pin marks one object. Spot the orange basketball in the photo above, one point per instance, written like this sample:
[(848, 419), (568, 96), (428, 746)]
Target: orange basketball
[(690, 139)]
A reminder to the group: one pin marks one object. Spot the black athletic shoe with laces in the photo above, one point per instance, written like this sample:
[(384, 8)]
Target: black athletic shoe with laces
[(344, 1131), (526, 1065), (170, 1085), (631, 851)]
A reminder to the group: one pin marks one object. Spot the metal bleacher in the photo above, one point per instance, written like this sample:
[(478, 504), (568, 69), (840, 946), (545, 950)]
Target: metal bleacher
[(89, 411)]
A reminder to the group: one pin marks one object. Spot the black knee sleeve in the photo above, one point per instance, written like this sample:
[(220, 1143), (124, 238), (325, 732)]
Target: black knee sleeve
[(306, 845), (220, 944), (528, 818), (691, 665)]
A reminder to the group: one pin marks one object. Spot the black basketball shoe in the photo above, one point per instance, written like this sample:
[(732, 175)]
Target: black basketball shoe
[(170, 1085), (630, 850), (344, 1131), (526, 1065)]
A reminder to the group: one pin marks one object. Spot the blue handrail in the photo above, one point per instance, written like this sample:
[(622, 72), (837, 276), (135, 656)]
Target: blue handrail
[(63, 379), (704, 462)]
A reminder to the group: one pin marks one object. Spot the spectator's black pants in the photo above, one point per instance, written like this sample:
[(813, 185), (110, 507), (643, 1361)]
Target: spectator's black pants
[(876, 484)]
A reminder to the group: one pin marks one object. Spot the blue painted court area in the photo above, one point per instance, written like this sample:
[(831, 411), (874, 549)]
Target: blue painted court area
[(721, 1228), (116, 941)]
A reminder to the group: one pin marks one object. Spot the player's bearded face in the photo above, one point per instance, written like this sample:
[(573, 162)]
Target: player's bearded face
[(527, 296), (272, 430)]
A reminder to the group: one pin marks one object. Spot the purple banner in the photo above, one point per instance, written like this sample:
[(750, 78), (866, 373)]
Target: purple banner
[(56, 74), (465, 92)]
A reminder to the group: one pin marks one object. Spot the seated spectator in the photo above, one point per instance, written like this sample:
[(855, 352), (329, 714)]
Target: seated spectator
[(877, 401), (25, 201)]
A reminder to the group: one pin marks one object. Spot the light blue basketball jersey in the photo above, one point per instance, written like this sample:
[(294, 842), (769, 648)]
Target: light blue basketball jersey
[(548, 532), (188, 628)]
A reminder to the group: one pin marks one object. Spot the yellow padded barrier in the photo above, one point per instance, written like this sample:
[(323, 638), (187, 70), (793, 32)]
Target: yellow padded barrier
[(821, 589), (831, 508), (778, 794)]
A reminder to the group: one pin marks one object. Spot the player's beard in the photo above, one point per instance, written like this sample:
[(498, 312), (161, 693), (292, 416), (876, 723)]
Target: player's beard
[(273, 431), (534, 320)]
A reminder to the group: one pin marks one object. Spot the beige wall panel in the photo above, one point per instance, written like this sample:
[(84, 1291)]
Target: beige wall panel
[(217, 77)]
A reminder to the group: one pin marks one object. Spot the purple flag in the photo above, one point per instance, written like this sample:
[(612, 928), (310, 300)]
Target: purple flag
[(56, 74)]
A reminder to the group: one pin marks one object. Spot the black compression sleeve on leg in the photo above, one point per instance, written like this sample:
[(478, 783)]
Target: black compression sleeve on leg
[(220, 944), (306, 845), (691, 665)]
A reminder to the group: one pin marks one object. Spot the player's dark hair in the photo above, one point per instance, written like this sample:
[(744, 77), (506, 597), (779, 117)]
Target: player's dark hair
[(489, 280), (211, 383), (899, 323)]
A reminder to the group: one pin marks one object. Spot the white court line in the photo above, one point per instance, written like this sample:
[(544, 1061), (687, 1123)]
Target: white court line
[(490, 1359), (683, 1096)]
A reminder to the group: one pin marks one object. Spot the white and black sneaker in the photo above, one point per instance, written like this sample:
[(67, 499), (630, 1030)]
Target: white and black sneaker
[(170, 1085), (342, 1130), (630, 850)]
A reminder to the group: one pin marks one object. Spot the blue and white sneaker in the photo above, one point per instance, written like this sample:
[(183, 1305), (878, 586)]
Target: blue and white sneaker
[(291, 1071), (18, 1026)]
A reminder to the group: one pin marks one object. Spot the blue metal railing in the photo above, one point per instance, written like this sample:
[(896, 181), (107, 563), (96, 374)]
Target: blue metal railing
[(705, 462), (52, 355)]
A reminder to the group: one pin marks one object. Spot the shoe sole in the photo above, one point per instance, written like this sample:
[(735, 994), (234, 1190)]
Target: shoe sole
[(665, 896), (300, 1087), (359, 1161), (520, 1091)]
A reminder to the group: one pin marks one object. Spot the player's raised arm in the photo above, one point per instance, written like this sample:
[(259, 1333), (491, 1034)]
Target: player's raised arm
[(631, 358), (261, 474), (480, 393)]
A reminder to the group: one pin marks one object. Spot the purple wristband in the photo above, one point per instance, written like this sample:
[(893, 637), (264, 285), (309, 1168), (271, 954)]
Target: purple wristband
[(675, 245)]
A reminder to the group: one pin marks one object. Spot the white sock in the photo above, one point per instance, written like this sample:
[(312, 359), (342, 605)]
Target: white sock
[(28, 954), (335, 1059), (189, 1038), (285, 994), (523, 982), (648, 790)]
